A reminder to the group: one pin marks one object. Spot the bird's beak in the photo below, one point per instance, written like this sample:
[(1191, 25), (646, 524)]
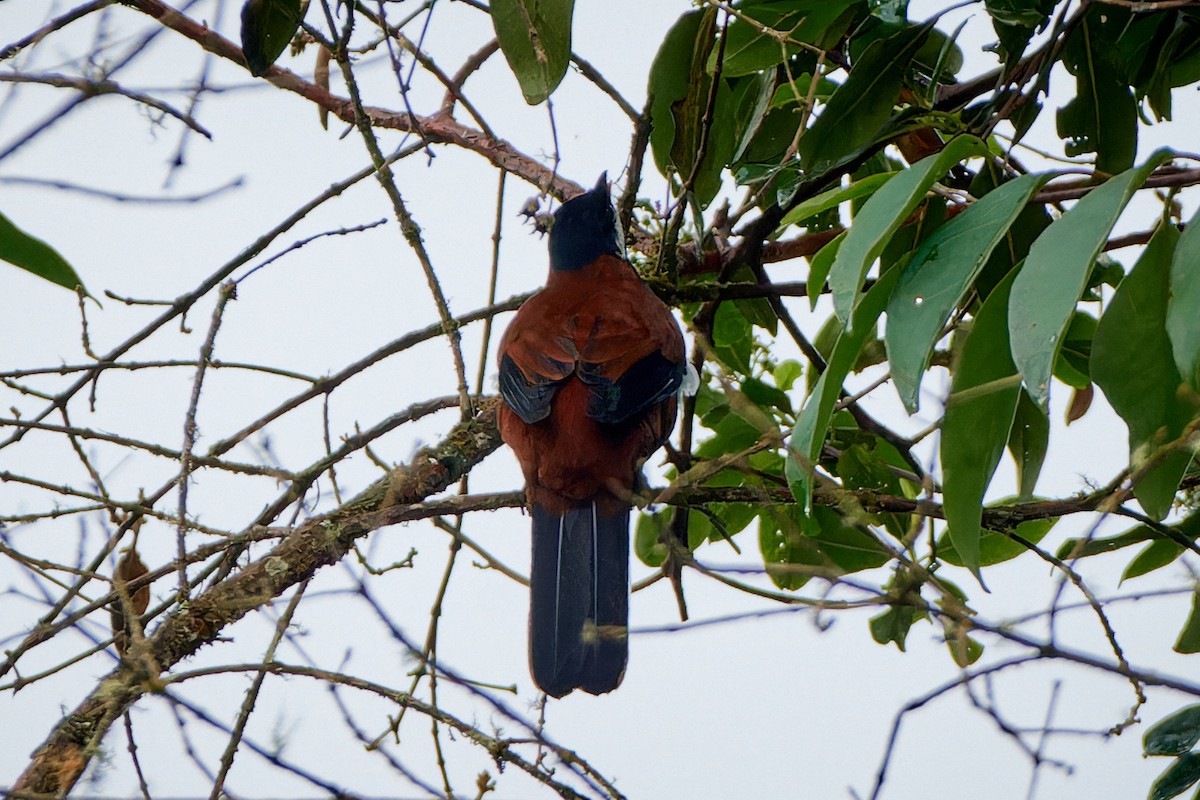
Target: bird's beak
[(602, 184)]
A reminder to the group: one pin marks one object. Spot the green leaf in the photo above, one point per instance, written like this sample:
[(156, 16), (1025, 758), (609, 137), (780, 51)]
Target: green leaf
[(1177, 64), (733, 337), (1188, 642), (940, 58), (995, 547), (749, 49), (1027, 442), (789, 554), (1184, 307), (847, 545), (730, 325), (267, 29), (796, 546), (832, 198), (1025, 13), (765, 396), (34, 255), (679, 90), (1186, 530), (808, 434), (1082, 548), (820, 264), (1071, 365), (1015, 21), (699, 529), (732, 433), (963, 649), (1132, 364), (883, 215), (864, 466), (1021, 235), (1155, 555), (940, 274), (979, 416), (1174, 735), (731, 518), (786, 373), (647, 539), (535, 37), (1102, 117), (1056, 272), (893, 625), (858, 109), (750, 98), (1182, 773)]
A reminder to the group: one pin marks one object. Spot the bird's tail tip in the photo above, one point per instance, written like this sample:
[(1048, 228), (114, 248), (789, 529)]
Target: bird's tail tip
[(579, 599)]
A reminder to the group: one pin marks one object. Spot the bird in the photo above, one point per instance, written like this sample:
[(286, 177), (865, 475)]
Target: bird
[(590, 370)]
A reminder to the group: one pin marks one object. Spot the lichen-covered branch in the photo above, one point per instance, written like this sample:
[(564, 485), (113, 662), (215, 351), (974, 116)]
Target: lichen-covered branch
[(61, 760)]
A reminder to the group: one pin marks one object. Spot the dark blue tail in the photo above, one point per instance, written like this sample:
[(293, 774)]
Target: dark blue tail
[(579, 600)]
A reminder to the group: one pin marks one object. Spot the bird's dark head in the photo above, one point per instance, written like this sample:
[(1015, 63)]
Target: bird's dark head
[(584, 228)]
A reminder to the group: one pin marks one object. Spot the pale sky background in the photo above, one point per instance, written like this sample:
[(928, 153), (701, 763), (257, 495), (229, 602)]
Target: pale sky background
[(774, 707)]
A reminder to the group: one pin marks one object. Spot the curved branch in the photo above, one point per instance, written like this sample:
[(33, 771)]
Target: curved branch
[(438, 129), (61, 760)]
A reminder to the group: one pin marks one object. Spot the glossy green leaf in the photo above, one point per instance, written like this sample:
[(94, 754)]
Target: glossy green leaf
[(995, 547), (535, 37), (267, 29), (832, 198), (700, 529), (732, 432), (33, 255), (1176, 734), (1102, 116), (1131, 363), (1071, 365), (1188, 643), (729, 519), (1082, 548), (963, 649), (789, 554), (1055, 275), (860, 107), (733, 337), (864, 465), (848, 546), (1156, 555), (820, 264), (1186, 530), (786, 373), (894, 624), (938, 277), (1176, 779), (647, 538), (679, 88), (1177, 64), (796, 546), (750, 99), (882, 216), (1015, 21), (1027, 443), (979, 415), (940, 57), (1183, 311), (765, 396), (1025, 13), (808, 434), (749, 49)]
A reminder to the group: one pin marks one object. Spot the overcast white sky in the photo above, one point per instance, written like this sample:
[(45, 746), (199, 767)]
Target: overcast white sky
[(772, 707)]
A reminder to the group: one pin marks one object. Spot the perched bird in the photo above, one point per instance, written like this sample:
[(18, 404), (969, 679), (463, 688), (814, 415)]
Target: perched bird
[(589, 371)]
